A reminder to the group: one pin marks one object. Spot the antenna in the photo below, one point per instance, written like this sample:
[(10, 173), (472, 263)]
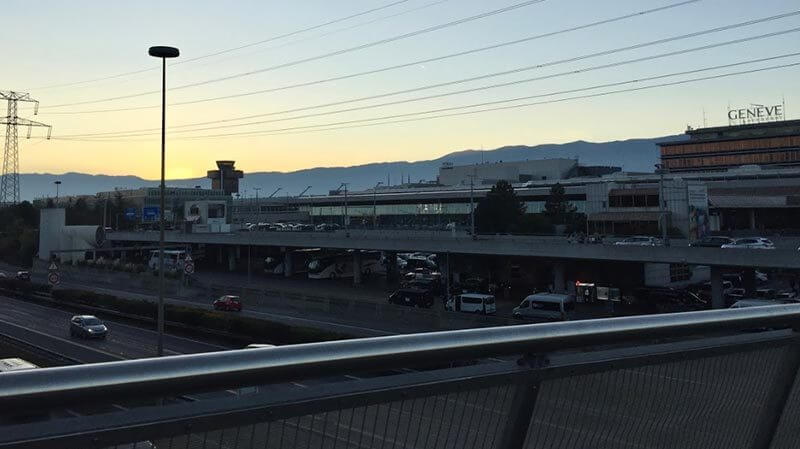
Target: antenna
[(705, 122)]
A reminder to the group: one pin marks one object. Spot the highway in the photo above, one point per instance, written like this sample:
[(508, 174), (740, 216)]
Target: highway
[(48, 328)]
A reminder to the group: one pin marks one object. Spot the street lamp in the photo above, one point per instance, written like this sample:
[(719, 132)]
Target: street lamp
[(374, 205), (662, 204), (346, 218), (258, 206), (57, 183), (163, 53)]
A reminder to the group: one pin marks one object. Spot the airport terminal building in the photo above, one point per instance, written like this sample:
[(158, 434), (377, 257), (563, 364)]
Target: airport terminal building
[(722, 179)]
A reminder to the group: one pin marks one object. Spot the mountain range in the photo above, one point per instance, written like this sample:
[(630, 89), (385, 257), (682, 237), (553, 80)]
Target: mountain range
[(634, 155)]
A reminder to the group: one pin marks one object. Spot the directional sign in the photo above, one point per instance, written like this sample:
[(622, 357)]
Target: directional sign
[(53, 266), (150, 213), (54, 278), (188, 268), (130, 213)]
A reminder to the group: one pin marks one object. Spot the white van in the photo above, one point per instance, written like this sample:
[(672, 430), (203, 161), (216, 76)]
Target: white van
[(472, 303), (173, 259), (550, 306)]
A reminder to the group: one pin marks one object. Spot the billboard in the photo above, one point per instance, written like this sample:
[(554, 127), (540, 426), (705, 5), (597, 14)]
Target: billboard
[(698, 211)]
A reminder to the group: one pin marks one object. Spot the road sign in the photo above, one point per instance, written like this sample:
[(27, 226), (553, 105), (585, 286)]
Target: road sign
[(53, 278), (188, 259), (188, 268), (150, 213), (53, 266), (130, 213)]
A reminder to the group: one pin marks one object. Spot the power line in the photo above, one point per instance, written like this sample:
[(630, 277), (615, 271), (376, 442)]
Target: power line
[(322, 128), (461, 81), (209, 55), (601, 94), (318, 57), (422, 61), (340, 124)]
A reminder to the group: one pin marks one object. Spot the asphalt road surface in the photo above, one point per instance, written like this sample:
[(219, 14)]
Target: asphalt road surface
[(50, 326)]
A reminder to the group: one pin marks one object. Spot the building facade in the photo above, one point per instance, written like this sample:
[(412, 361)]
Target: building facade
[(773, 144)]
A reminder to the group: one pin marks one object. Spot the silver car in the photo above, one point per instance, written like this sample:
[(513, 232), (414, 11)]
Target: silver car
[(750, 243), (87, 326)]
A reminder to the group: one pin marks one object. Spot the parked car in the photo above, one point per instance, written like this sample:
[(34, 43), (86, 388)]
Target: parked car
[(472, 303), (87, 326), (549, 306), (228, 302), (640, 240), (411, 297), (712, 242), (23, 275), (750, 243)]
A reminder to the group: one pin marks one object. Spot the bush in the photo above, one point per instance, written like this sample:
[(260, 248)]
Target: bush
[(23, 287)]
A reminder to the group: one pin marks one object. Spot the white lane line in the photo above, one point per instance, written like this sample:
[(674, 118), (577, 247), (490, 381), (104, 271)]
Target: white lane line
[(351, 377), (116, 323), (63, 340)]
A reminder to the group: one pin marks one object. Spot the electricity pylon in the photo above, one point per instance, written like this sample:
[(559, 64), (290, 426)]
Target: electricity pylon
[(9, 185)]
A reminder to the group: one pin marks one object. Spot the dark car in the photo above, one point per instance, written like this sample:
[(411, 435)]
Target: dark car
[(23, 275), (412, 297), (87, 326), (711, 242), (228, 302)]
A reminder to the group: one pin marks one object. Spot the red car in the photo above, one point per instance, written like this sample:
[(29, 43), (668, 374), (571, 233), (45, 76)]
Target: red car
[(229, 303)]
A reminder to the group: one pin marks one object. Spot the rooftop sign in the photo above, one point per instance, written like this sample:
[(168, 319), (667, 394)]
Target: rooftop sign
[(756, 113)]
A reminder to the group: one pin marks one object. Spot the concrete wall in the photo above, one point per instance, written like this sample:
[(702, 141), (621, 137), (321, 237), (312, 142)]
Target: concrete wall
[(51, 222)]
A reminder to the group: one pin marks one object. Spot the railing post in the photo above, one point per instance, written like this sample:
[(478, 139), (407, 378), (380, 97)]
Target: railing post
[(777, 398), (520, 414)]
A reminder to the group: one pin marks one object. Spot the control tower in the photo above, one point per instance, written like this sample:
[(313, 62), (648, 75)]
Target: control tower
[(226, 177)]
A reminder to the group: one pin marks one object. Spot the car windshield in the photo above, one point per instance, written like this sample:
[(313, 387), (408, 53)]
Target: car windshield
[(91, 322)]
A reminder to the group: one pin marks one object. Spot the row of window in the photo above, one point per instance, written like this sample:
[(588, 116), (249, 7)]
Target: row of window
[(782, 157), (633, 201), (733, 145)]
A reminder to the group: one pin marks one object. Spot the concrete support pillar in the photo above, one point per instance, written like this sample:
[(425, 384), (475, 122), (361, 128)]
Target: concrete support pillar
[(559, 277), (717, 297), (749, 280), (357, 268), (752, 216), (391, 266), (288, 263), (232, 259)]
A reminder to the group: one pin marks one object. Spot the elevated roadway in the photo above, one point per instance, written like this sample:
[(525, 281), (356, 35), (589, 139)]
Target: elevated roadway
[(556, 248)]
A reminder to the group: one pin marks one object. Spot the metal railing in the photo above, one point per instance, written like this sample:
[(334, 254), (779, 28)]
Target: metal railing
[(701, 379)]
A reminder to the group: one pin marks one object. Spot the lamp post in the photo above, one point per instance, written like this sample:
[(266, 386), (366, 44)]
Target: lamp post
[(472, 205), (258, 207), (375, 205), (57, 183), (163, 53), (662, 204), (346, 221)]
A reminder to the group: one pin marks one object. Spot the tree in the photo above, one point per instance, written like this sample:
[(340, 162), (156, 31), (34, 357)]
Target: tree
[(557, 208), (500, 210)]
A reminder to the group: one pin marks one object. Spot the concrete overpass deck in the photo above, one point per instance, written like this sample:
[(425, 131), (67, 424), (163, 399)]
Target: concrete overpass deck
[(556, 248)]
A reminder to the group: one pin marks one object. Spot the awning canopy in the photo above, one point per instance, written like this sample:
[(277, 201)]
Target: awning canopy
[(626, 216)]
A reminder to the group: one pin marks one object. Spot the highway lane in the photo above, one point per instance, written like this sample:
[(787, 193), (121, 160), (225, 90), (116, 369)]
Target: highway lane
[(124, 341)]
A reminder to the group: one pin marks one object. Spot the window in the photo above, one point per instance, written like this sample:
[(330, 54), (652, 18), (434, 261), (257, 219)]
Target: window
[(548, 306)]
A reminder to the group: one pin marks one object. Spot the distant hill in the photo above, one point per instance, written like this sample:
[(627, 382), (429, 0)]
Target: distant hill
[(631, 155)]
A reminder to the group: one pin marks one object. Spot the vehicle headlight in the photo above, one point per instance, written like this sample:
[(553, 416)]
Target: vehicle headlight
[(90, 330)]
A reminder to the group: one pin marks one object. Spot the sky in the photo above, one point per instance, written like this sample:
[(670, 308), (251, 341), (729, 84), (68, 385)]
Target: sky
[(68, 53)]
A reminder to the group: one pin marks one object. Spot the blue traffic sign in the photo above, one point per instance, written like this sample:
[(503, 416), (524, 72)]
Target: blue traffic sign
[(130, 213), (150, 213)]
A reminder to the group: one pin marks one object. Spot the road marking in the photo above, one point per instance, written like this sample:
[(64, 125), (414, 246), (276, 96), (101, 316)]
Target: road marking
[(63, 340), (116, 323)]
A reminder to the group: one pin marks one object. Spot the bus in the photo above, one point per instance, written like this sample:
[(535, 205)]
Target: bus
[(335, 266), (300, 261)]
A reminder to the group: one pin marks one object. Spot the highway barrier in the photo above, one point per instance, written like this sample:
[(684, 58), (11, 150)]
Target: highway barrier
[(719, 378)]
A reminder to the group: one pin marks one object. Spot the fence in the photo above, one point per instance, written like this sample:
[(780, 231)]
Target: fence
[(694, 380)]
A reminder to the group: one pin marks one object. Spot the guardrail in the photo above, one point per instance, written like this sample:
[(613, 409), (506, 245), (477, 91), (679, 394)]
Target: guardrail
[(676, 381)]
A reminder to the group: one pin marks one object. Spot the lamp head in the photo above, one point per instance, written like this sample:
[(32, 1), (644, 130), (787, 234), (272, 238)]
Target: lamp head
[(163, 52)]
